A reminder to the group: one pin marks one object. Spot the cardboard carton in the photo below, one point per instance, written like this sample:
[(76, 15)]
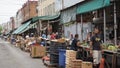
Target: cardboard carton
[(38, 51)]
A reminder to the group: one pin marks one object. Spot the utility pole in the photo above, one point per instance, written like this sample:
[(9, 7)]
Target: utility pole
[(62, 4)]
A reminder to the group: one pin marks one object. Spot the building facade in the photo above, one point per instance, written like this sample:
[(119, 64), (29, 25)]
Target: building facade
[(19, 18), (12, 23), (46, 7), (29, 10)]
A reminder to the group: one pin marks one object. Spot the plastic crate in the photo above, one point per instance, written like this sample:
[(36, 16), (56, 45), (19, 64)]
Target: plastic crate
[(54, 58), (62, 58)]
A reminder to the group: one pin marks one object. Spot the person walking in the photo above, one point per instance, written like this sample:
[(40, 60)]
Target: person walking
[(95, 44)]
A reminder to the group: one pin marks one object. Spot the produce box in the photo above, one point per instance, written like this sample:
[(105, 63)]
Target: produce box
[(38, 51), (87, 65)]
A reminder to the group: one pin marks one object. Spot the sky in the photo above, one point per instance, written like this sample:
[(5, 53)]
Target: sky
[(8, 8)]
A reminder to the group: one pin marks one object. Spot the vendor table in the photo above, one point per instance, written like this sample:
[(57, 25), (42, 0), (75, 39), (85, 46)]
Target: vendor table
[(110, 58)]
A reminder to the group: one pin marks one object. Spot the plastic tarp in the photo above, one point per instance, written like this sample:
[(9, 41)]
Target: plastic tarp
[(68, 15), (92, 5)]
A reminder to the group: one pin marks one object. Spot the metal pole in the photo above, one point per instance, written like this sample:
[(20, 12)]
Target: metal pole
[(40, 27), (104, 25), (81, 27), (76, 28), (115, 25)]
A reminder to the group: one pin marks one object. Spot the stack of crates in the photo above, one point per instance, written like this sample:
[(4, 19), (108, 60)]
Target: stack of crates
[(70, 56), (54, 51), (76, 63)]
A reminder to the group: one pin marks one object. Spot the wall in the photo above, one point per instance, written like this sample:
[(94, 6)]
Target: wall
[(62, 4), (46, 7), (19, 18), (29, 10)]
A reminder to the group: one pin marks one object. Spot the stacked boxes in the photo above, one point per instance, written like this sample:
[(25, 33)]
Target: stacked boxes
[(76, 63), (70, 56), (87, 65)]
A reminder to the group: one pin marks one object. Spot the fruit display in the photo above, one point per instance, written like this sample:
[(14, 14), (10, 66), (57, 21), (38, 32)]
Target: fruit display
[(111, 47), (85, 44)]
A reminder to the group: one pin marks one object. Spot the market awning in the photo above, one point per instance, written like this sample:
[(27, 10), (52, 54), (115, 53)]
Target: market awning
[(21, 28), (45, 18), (29, 27), (92, 5)]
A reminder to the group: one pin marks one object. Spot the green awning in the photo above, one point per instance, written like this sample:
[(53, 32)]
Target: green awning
[(92, 5), (50, 17), (45, 18), (37, 18), (21, 28), (30, 26)]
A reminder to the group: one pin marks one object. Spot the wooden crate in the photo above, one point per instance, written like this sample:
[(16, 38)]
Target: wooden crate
[(70, 56), (76, 63), (87, 65), (38, 51)]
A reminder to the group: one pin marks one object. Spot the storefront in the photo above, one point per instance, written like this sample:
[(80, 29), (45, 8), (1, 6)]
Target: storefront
[(47, 24), (105, 14), (88, 12)]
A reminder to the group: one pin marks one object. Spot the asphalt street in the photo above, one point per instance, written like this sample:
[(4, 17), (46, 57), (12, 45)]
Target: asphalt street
[(13, 57)]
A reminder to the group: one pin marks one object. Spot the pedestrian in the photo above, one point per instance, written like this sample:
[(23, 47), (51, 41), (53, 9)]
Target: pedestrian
[(95, 46), (74, 42), (53, 36), (44, 35), (57, 35)]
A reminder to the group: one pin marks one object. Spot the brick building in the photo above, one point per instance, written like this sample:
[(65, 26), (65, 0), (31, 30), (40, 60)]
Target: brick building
[(29, 10)]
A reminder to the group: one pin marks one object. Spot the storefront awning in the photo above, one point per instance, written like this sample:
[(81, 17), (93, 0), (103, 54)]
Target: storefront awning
[(21, 28), (92, 5), (45, 18), (29, 27)]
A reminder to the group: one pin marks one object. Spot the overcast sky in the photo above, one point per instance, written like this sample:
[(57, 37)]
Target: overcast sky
[(8, 8)]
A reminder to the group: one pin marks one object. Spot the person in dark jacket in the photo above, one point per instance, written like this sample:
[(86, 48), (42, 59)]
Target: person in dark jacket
[(74, 42), (96, 48)]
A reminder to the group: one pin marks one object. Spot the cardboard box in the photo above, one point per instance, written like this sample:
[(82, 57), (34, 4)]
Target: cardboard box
[(38, 51), (87, 65)]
